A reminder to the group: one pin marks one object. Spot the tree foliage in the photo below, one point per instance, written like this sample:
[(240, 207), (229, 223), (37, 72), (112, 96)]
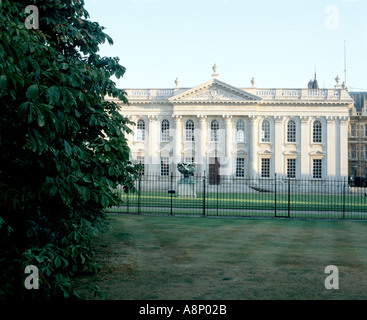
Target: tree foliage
[(62, 145)]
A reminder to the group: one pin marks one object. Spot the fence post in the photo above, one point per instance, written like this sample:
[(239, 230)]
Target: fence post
[(289, 197), (139, 191), (217, 191), (275, 195), (344, 199), (204, 195), (127, 201), (171, 191)]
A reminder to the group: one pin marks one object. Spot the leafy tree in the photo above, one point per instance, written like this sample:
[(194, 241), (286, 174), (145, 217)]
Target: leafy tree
[(62, 145)]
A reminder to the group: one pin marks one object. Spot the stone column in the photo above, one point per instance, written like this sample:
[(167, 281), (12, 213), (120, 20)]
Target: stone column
[(253, 157), (343, 147), (153, 145), (305, 141), (177, 140), (331, 147), (200, 144), (278, 143), (228, 161)]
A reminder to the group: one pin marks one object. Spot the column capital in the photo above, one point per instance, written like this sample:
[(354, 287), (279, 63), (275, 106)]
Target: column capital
[(330, 119), (227, 117), (344, 120), (253, 118), (152, 117), (202, 117), (176, 117), (304, 119), (278, 119)]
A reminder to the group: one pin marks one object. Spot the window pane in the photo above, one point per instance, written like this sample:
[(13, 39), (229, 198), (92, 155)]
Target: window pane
[(189, 130), (317, 168), (265, 131), (317, 132), (214, 126), (240, 131), (265, 168), (291, 168), (291, 132), (140, 136), (189, 160), (165, 130), (164, 166), (240, 167)]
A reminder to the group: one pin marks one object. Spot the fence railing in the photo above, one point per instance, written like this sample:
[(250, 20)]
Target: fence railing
[(254, 197)]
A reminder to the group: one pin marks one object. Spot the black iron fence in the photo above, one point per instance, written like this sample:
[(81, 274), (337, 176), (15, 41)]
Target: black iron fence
[(230, 196)]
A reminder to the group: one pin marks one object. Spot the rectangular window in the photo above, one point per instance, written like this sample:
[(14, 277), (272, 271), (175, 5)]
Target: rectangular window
[(291, 168), (189, 160), (140, 161), (352, 151), (317, 168), (164, 166), (352, 130), (265, 168), (240, 167)]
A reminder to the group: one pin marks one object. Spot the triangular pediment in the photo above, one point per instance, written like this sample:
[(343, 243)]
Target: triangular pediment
[(317, 153), (213, 91)]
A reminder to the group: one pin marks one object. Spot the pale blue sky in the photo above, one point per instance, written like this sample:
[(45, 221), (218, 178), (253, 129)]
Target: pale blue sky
[(279, 42)]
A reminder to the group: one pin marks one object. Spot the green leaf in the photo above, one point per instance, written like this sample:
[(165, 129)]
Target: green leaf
[(54, 94), (3, 82), (32, 92), (67, 147), (57, 262), (40, 118)]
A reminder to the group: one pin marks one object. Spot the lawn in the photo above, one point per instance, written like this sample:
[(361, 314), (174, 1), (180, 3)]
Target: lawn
[(249, 204), (168, 257)]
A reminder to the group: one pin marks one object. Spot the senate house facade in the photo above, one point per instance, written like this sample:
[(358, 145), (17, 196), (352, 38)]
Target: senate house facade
[(241, 132)]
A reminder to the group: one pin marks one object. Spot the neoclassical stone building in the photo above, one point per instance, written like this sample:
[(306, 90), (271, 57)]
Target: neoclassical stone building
[(241, 132)]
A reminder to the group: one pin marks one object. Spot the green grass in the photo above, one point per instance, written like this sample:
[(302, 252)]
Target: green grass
[(236, 204), (164, 257)]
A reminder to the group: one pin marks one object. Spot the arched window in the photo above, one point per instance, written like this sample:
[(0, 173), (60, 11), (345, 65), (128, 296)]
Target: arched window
[(317, 132), (240, 131), (165, 130), (189, 130), (141, 130), (291, 131), (214, 127), (265, 131)]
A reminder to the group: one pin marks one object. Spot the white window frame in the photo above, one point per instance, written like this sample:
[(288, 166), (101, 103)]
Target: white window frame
[(291, 131), (317, 132), (164, 166), (265, 172), (317, 169), (189, 131), (140, 133), (292, 169), (240, 167), (165, 127), (265, 131), (214, 131), (240, 131)]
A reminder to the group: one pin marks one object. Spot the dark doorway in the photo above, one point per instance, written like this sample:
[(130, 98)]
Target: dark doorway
[(214, 177)]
